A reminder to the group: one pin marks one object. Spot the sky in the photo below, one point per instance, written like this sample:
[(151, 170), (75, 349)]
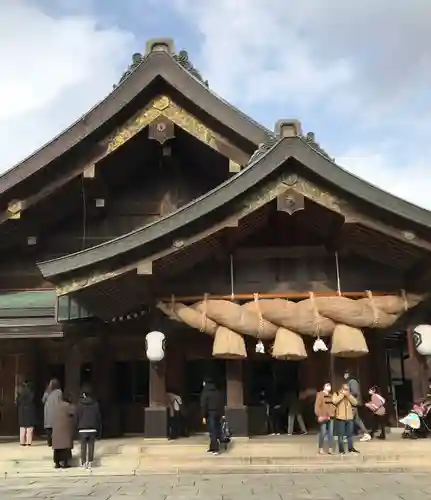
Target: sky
[(357, 74)]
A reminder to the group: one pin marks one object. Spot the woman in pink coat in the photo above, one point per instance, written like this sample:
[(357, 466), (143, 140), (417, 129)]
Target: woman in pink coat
[(377, 406)]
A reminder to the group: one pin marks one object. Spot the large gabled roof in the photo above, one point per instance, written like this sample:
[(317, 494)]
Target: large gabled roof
[(157, 64), (261, 167)]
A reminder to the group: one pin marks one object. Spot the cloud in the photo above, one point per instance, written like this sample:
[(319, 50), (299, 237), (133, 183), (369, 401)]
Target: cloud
[(54, 68), (357, 74)]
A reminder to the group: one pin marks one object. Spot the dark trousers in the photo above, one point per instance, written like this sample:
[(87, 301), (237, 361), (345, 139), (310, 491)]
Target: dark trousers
[(62, 457), (175, 421), (49, 436), (274, 421), (87, 440), (378, 425), (214, 427), (344, 429)]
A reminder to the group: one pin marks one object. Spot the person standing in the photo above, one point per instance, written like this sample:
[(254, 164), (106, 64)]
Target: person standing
[(26, 414), (355, 390), (88, 423), (293, 403), (377, 406), (63, 430), (51, 398), (325, 411), (344, 403), (212, 408), (175, 404)]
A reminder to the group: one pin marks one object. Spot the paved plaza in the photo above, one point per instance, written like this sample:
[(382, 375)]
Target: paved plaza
[(341, 486)]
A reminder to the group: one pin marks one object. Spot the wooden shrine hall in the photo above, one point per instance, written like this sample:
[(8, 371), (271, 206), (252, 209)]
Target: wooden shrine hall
[(263, 263)]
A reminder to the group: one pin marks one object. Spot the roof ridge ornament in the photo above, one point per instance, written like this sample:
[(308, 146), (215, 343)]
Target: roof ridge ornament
[(310, 139), (163, 45), (183, 60)]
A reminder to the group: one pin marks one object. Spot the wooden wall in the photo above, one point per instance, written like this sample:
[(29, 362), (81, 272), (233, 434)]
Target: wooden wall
[(284, 275)]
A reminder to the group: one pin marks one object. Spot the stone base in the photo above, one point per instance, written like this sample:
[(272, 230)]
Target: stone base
[(156, 422), (238, 420)]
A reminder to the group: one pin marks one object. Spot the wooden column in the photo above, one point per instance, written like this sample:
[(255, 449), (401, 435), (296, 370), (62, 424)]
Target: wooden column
[(104, 386), (157, 384), (235, 410), (73, 370), (418, 369), (234, 384), (156, 412)]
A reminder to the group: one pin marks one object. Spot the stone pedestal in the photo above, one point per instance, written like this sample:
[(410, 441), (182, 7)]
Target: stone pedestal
[(156, 422), (238, 420)]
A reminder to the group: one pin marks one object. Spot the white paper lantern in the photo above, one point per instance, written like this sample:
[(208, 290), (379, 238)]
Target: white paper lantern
[(422, 339), (155, 344)]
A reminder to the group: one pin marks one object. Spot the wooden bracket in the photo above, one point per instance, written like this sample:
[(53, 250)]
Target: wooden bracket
[(14, 209), (89, 172), (145, 268)]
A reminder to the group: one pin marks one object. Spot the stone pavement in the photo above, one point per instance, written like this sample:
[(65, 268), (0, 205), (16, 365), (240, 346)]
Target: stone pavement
[(342, 486)]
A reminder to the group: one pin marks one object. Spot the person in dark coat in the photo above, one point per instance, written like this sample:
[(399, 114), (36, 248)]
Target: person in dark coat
[(26, 414), (212, 408), (88, 423), (63, 430), (51, 398)]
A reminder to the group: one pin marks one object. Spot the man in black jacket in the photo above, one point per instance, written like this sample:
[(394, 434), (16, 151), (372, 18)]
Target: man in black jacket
[(88, 421), (212, 408)]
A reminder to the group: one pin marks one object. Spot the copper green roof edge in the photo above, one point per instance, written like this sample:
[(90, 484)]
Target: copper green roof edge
[(27, 299), (265, 165)]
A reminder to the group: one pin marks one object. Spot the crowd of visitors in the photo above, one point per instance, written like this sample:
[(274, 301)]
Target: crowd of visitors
[(336, 413), (63, 422)]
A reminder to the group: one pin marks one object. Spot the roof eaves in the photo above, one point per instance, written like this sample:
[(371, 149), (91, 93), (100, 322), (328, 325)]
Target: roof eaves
[(368, 192)]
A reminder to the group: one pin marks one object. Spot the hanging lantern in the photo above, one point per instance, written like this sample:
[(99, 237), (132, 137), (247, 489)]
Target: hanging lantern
[(319, 345), (422, 339), (260, 348), (155, 346)]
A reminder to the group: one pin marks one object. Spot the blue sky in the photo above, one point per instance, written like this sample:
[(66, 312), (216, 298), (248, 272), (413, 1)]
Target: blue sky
[(357, 74)]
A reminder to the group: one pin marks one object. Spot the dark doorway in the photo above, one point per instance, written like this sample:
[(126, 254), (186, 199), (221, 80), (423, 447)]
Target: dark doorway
[(196, 372), (268, 380), (131, 394), (86, 376), (271, 377)]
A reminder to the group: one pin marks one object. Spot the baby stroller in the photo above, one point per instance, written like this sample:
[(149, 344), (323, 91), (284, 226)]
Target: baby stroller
[(415, 421), (225, 433)]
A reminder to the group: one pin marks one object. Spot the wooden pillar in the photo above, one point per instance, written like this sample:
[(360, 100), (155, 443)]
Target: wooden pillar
[(418, 369), (236, 411), (156, 413), (104, 386), (73, 370)]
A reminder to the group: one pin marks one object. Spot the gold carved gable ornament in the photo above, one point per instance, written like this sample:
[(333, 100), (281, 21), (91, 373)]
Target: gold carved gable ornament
[(162, 114)]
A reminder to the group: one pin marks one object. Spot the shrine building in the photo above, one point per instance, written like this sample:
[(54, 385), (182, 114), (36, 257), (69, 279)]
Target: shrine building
[(263, 263)]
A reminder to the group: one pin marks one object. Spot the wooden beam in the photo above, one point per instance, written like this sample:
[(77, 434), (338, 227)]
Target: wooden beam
[(280, 295), (406, 236), (275, 252)]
